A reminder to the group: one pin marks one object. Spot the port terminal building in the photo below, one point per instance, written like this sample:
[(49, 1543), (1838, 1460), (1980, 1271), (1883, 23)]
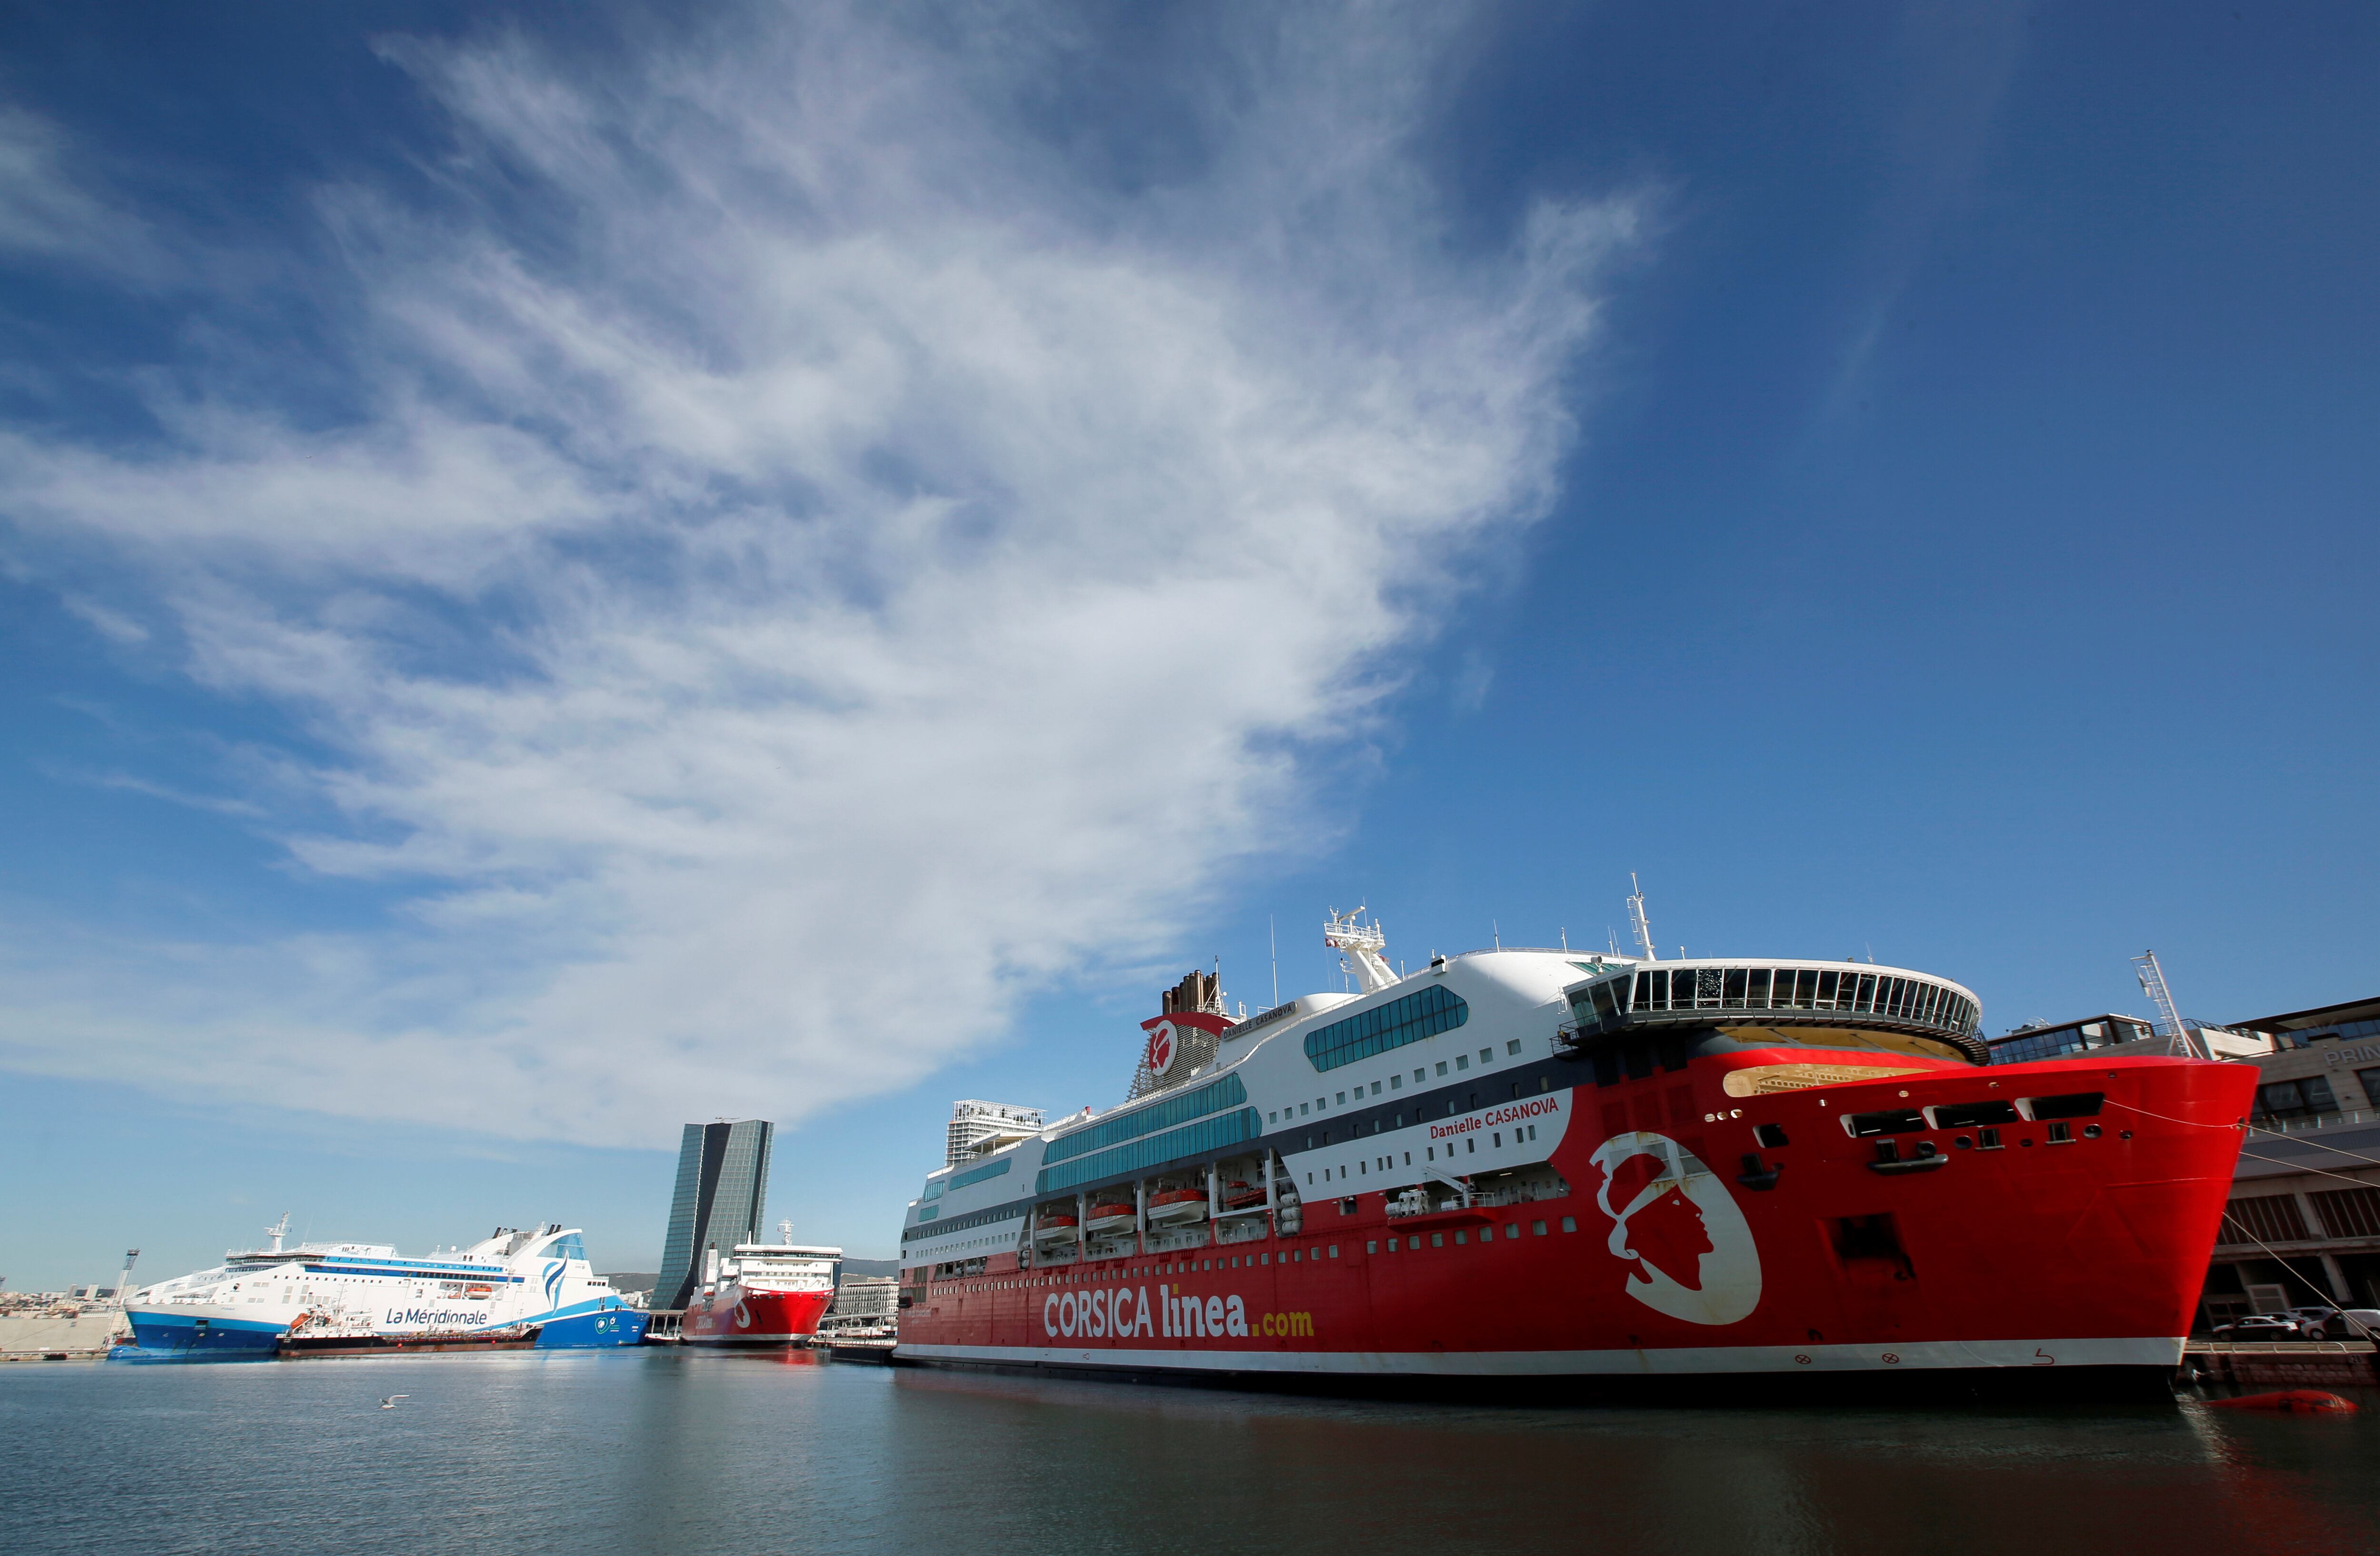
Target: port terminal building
[(2303, 1225)]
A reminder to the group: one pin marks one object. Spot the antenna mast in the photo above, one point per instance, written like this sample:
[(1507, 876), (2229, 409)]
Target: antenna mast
[(1636, 920), (2153, 984), (1272, 944)]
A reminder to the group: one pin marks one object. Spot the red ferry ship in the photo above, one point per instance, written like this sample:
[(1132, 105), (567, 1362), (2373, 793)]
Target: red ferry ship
[(1548, 1167), (767, 1293)]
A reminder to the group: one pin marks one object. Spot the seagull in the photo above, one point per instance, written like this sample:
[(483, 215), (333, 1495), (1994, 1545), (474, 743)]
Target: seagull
[(390, 1403)]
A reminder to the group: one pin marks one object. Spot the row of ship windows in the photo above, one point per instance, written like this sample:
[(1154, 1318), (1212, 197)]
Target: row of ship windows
[(1141, 1271), (1487, 1235), (1199, 1266), (1395, 1082), (1521, 1136)]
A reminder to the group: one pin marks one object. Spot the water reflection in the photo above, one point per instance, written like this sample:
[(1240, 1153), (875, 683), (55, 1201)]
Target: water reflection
[(663, 1450)]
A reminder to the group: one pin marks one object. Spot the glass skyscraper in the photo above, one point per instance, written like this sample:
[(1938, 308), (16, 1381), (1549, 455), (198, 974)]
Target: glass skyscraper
[(722, 1185)]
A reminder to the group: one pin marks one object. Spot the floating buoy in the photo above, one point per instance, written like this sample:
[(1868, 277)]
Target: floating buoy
[(2304, 1402)]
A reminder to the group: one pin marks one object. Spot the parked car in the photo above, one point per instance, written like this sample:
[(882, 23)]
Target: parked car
[(2355, 1323), (2260, 1326)]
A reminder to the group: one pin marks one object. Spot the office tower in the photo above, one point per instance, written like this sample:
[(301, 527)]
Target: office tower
[(722, 1183)]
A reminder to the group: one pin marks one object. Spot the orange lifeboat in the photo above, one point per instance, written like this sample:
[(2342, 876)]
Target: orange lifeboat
[(1111, 1218), (1238, 1196), (1054, 1226)]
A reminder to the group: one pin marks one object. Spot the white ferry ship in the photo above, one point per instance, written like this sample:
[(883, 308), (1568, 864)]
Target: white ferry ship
[(509, 1280)]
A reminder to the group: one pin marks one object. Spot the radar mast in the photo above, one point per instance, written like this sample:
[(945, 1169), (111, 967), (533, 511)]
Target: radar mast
[(1359, 945)]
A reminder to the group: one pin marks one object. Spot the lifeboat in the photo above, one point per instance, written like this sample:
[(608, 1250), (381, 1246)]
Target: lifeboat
[(1238, 1196), (1054, 1226), (1174, 1206), (1111, 1218)]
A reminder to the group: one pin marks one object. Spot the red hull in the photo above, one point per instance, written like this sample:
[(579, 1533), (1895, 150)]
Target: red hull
[(734, 1315), (2081, 1243)]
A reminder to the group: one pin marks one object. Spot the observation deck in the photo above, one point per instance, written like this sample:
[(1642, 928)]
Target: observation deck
[(1670, 996)]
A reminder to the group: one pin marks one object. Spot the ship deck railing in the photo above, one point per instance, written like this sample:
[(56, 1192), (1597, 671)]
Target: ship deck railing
[(2286, 1347)]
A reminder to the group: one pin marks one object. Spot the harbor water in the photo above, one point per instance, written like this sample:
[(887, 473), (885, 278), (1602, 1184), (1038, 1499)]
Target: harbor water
[(665, 1451)]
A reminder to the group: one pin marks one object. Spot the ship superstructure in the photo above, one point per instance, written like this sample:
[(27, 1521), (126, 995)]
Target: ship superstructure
[(1609, 1166), (765, 1293), (508, 1280)]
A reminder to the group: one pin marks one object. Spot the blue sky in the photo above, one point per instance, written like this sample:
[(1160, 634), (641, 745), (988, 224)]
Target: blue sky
[(560, 579)]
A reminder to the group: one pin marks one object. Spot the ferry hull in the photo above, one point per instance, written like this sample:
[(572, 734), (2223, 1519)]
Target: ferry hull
[(2048, 1260), (196, 1333), (597, 1329), (737, 1316)]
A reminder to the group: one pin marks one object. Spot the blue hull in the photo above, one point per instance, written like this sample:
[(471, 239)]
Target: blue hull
[(158, 1336), (604, 1327)]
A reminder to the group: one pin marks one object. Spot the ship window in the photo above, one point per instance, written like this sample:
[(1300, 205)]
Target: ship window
[(1371, 1247), (1419, 1078), (1570, 1224), (1334, 1250), (1396, 1083), (1486, 1055), (1462, 1062), (1342, 1099), (1392, 1023), (1538, 1227), (1512, 1229), (1303, 1110), (1273, 1117), (1437, 1239)]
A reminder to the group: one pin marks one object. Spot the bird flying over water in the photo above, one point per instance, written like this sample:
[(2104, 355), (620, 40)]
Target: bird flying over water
[(390, 1403)]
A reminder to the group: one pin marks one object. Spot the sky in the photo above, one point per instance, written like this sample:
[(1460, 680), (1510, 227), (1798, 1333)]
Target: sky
[(567, 573)]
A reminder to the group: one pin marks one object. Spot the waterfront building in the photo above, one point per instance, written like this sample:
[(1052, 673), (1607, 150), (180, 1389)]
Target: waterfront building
[(722, 1187), (978, 1127), (2303, 1224), (866, 1297), (2110, 1035)]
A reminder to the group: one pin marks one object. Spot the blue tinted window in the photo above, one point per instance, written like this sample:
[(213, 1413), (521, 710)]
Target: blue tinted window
[(977, 1174), (1202, 1138), (1424, 1013), (1225, 1093), (565, 1247)]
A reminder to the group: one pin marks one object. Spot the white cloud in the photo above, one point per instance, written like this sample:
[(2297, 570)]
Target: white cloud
[(830, 558), (48, 212)]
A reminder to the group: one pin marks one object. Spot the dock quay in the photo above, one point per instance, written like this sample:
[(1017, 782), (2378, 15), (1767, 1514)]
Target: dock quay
[(2286, 1363), (63, 1333)]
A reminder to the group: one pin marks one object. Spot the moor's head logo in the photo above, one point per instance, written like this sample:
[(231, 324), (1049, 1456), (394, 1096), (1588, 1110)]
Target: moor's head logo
[(1687, 1246)]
